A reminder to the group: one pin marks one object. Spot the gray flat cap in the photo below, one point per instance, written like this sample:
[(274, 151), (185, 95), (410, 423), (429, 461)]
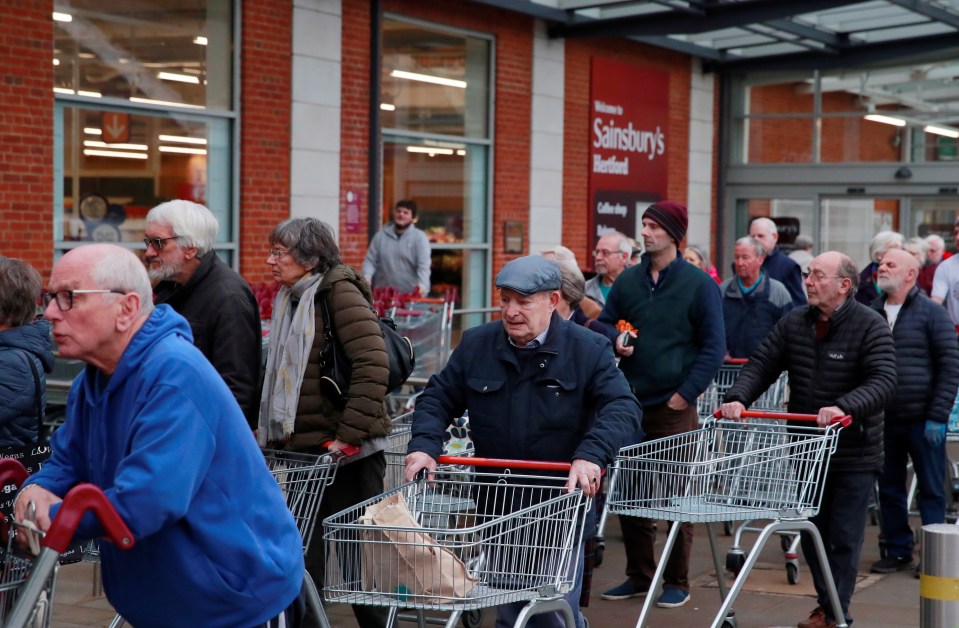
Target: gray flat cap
[(529, 275)]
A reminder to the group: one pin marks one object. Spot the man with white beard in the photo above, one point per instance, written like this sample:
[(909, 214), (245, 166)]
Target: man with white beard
[(215, 300)]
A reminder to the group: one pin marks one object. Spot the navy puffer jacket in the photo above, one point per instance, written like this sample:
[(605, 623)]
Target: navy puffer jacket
[(927, 360), (852, 367), (18, 397)]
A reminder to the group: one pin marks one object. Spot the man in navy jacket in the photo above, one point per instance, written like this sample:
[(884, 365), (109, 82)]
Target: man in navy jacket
[(540, 389), (778, 265), (927, 367)]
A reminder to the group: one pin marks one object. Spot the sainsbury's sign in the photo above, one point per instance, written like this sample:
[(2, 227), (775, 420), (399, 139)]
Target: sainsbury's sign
[(629, 115)]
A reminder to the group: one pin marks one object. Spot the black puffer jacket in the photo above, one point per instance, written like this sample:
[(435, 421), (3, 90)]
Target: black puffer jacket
[(853, 367), (927, 360)]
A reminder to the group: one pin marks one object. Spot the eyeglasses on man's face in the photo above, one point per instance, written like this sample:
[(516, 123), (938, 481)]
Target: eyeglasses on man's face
[(157, 243), (604, 252), (64, 298), (818, 276)]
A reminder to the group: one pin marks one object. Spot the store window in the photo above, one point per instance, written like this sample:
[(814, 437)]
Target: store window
[(144, 114), (435, 114), (872, 115)]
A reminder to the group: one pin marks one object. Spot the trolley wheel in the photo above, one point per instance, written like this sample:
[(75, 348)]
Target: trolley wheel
[(735, 559), (785, 542), (792, 573), (730, 621), (727, 528), (598, 554), (473, 618)]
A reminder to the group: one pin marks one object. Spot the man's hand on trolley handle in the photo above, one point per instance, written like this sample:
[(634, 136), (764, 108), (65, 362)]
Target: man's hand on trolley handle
[(732, 410), (41, 500)]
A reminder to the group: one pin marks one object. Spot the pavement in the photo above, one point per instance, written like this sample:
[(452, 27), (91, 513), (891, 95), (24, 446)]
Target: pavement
[(767, 601)]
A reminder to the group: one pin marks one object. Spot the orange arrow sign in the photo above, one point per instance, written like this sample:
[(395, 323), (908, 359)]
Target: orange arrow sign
[(115, 127)]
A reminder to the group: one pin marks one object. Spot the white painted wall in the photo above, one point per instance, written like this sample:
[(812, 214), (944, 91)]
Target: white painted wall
[(546, 152), (701, 130), (315, 115)]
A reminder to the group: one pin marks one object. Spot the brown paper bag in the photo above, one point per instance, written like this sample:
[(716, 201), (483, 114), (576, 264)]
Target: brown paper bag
[(408, 562)]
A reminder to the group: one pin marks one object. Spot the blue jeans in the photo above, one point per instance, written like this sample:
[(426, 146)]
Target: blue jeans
[(904, 441), (842, 524)]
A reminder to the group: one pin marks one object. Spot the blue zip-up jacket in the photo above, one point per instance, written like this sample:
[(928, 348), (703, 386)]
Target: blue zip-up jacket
[(783, 269), (165, 439), (680, 340), (18, 391)]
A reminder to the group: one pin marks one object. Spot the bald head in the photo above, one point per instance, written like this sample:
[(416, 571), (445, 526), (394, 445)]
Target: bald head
[(833, 278), (764, 230), (103, 296), (897, 274)]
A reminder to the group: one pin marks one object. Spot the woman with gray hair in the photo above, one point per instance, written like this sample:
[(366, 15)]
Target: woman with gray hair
[(881, 242), (299, 413), (572, 293), (25, 354)]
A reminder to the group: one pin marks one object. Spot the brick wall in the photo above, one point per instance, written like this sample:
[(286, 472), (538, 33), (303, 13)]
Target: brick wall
[(848, 139), (266, 68), (576, 128), (26, 131)]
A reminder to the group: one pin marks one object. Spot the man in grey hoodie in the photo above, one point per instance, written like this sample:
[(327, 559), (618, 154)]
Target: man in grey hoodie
[(399, 255)]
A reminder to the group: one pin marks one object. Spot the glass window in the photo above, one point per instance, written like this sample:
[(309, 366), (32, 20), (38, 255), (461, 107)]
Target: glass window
[(447, 181), (116, 165), (435, 111), (434, 81), (167, 52), (849, 224)]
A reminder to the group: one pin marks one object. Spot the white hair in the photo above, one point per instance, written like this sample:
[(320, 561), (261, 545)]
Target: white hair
[(193, 224), (767, 224), (934, 237), (622, 242), (119, 269), (882, 242)]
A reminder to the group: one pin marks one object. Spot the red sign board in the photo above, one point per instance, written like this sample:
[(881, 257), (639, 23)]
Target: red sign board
[(115, 127), (628, 144)]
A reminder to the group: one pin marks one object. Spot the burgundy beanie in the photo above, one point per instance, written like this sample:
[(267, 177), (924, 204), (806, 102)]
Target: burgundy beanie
[(671, 216)]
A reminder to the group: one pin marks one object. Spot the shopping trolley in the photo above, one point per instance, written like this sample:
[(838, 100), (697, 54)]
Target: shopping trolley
[(516, 528), (729, 471), (774, 399), (28, 582), (457, 442)]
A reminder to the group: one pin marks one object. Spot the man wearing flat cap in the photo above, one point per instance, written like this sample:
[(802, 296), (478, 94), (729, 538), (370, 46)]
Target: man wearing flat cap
[(677, 349), (536, 388)]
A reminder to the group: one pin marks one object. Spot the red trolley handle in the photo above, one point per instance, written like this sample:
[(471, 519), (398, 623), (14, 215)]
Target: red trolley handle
[(349, 450), (12, 472), (845, 420), (538, 465), (735, 361), (80, 499)]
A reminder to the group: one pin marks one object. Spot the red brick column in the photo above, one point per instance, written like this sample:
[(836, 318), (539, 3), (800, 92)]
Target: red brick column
[(26, 132), (266, 97)]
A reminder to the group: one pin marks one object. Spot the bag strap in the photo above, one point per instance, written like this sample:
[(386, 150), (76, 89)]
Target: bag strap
[(36, 387)]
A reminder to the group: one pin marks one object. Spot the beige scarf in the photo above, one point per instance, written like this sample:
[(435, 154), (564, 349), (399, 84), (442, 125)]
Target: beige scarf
[(291, 338)]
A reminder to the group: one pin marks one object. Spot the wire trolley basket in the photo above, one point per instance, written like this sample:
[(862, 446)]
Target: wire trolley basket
[(774, 399), (302, 478), (730, 471), (503, 535)]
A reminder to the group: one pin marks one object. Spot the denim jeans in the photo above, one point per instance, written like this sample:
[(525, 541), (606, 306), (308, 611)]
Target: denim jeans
[(904, 441), (842, 524)]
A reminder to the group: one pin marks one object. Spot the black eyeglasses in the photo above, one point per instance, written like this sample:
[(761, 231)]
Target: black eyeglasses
[(64, 298), (157, 243)]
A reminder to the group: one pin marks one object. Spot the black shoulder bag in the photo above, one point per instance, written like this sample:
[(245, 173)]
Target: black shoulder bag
[(336, 369)]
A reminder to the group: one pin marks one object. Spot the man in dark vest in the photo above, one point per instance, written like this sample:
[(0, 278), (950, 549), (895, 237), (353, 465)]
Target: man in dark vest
[(677, 349)]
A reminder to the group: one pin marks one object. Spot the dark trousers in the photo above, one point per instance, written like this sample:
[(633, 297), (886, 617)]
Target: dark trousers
[(639, 536), (904, 441), (842, 524), (354, 483)]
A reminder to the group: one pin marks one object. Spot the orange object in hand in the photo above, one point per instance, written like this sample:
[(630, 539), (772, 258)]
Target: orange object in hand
[(622, 326)]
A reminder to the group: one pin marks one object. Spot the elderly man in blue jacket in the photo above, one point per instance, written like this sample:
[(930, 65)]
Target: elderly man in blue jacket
[(154, 426), (537, 388), (927, 372)]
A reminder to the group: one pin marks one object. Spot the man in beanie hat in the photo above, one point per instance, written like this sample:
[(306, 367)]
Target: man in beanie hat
[(537, 387), (670, 359), (399, 255)]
